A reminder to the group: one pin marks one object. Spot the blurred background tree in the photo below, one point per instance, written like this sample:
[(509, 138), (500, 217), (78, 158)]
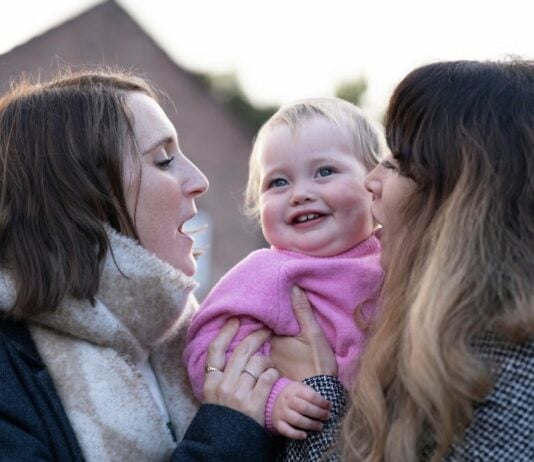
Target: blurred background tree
[(227, 89), (352, 90)]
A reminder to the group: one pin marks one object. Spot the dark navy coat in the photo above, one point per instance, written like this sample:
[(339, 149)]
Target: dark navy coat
[(34, 426)]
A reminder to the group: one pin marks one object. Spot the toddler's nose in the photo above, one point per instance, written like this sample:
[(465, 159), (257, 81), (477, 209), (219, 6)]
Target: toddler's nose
[(301, 197)]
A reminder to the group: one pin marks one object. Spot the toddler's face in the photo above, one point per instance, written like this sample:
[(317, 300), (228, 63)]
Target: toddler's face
[(312, 196)]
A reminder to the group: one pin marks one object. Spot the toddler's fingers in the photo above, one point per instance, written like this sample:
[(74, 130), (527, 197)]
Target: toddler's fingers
[(288, 431), (309, 394), (309, 409), (302, 422)]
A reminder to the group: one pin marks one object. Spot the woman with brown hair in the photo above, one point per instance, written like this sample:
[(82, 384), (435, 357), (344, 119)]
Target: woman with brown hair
[(96, 286), (448, 371)]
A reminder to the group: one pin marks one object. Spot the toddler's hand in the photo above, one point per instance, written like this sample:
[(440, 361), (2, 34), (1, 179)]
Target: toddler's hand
[(298, 407)]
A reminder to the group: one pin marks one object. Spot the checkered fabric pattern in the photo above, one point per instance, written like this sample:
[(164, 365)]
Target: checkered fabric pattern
[(314, 447), (502, 429)]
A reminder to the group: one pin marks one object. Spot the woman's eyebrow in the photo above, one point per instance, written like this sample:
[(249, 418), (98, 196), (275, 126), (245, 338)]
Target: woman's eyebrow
[(163, 142)]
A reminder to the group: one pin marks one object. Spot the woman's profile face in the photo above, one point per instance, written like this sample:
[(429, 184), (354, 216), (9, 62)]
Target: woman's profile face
[(161, 200), (389, 191)]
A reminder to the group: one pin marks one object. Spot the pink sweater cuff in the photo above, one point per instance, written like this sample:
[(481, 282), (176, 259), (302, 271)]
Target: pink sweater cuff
[(277, 388)]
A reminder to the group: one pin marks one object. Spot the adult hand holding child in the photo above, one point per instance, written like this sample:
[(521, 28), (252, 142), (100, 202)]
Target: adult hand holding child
[(250, 374)]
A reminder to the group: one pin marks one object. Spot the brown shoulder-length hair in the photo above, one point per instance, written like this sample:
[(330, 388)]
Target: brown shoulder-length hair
[(61, 162), (461, 266)]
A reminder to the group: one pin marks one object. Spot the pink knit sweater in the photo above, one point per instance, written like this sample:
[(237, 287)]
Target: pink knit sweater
[(258, 291)]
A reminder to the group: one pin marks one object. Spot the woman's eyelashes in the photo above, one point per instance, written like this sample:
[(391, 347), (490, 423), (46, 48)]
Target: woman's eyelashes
[(165, 163), (389, 165), (395, 167), (162, 155)]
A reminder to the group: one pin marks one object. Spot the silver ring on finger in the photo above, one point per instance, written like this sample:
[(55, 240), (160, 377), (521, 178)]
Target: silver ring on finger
[(246, 371)]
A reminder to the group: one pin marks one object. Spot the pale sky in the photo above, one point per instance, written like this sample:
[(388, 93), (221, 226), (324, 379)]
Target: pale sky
[(288, 49)]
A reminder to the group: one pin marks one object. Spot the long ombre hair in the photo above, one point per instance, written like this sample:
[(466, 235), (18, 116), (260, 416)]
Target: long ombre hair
[(461, 267)]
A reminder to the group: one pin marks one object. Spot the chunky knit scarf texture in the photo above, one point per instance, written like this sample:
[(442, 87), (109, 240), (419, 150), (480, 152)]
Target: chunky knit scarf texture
[(143, 308)]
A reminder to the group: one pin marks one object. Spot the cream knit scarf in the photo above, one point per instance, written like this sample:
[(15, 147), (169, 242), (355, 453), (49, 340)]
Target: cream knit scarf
[(91, 351)]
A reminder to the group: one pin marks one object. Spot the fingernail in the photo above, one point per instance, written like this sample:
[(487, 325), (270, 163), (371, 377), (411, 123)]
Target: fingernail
[(295, 290)]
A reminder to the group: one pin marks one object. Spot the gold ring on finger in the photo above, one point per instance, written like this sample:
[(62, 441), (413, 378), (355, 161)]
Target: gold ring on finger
[(211, 369)]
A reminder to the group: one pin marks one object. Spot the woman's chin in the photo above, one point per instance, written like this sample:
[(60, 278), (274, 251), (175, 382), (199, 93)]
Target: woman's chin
[(188, 267), (185, 264)]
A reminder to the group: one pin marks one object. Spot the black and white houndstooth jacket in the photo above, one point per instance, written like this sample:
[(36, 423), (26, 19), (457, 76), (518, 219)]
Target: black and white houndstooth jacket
[(502, 429)]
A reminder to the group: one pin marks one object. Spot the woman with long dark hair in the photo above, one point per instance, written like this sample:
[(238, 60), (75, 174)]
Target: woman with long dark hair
[(448, 371)]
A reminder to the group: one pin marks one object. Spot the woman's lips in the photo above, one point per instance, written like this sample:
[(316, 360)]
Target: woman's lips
[(183, 228)]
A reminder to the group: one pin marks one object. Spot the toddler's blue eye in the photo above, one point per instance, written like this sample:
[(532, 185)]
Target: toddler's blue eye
[(278, 183), (325, 171)]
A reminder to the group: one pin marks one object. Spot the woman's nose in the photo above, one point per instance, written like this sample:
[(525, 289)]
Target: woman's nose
[(372, 183), (195, 183)]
